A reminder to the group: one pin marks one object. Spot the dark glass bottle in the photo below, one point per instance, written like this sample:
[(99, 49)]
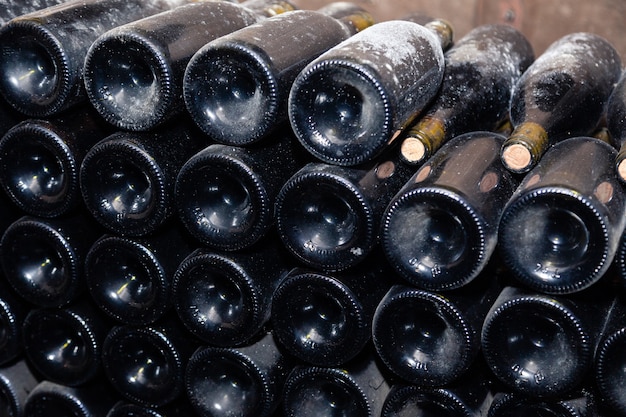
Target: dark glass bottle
[(40, 160), (225, 299), (562, 94), (542, 345), (146, 364), (328, 216), (560, 230), (226, 194), (16, 381), (357, 389), (480, 71), (616, 124), (13, 311), (42, 52), (127, 179), (49, 399), (440, 229), (15, 8), (244, 382), (180, 408), (577, 404), (64, 344), (43, 259), (252, 69), (133, 73), (325, 319), (130, 278), (348, 104)]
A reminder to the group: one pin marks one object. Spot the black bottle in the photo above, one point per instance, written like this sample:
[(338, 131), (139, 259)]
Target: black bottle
[(127, 179), (348, 104), (16, 381), (13, 311), (133, 73), (325, 319), (64, 344), (562, 94), (224, 298), (542, 345), (123, 408), (616, 124), (252, 69), (440, 229), (356, 389), (226, 194), (130, 278), (43, 259), (49, 399), (576, 404), (146, 364), (560, 230), (44, 50), (40, 160), (244, 382), (480, 71)]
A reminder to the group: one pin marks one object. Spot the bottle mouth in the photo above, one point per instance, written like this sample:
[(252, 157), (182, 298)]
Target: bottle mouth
[(216, 300), (411, 400), (241, 102), (554, 241), (143, 365), (225, 382), (340, 112), (319, 320), (128, 81), (610, 370), (423, 338), (36, 74), (435, 239), (39, 172), (126, 280), (324, 220)]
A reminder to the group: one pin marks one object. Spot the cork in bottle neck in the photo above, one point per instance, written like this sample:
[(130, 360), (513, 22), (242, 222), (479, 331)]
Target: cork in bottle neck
[(422, 140), (523, 149)]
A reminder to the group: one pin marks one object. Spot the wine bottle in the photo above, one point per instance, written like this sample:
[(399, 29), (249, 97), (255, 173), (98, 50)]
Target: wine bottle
[(245, 381), (40, 160), (577, 404), (480, 71), (127, 179), (146, 364), (133, 72), (224, 298), (226, 194), (358, 388), (64, 344), (13, 311), (616, 124), (130, 278), (51, 399), (562, 94), (43, 259), (542, 345), (16, 381), (431, 339), (124, 408), (43, 51), (560, 230), (349, 103), (325, 319), (440, 230), (252, 69), (15, 8)]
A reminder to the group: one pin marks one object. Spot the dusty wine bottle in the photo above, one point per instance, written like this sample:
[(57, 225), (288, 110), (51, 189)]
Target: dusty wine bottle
[(127, 179), (40, 160), (577, 404), (16, 8), (146, 364), (13, 311), (543, 345), (16, 381), (133, 73), (325, 319), (245, 381), (328, 216), (51, 399), (349, 103), (440, 229), (43, 259), (560, 230), (562, 94), (225, 194), (480, 71), (130, 278), (236, 87), (64, 344), (43, 51), (224, 298), (616, 124)]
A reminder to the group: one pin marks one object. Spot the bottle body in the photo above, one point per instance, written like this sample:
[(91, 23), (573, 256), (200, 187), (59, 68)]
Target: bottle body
[(616, 124)]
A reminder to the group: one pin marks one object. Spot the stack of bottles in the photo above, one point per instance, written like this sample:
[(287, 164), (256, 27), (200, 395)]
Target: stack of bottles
[(248, 209)]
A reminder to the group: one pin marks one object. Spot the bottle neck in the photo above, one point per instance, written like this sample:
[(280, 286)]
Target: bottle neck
[(268, 8), (354, 17), (443, 30)]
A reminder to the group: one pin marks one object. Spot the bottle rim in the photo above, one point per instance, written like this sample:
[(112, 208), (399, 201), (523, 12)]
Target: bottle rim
[(604, 365), (510, 402), (442, 397), (50, 391), (11, 325)]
